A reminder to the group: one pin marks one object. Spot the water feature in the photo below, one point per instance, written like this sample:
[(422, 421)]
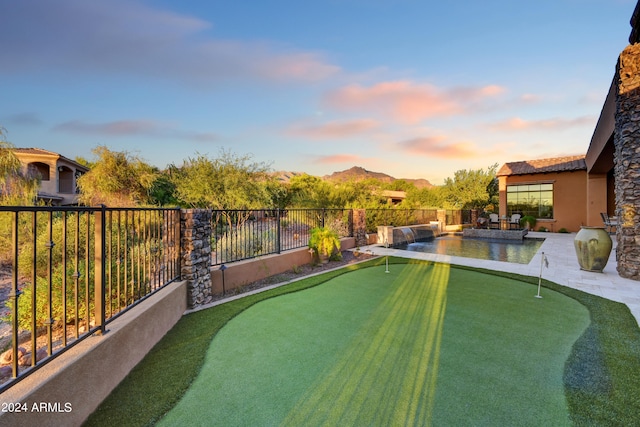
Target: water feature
[(520, 252), (408, 234)]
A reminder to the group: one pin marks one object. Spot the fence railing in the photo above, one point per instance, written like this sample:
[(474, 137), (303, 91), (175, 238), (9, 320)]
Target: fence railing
[(72, 271), (245, 234)]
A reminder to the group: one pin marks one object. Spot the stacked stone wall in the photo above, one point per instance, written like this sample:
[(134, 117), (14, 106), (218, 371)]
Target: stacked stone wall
[(627, 162), (360, 227), (195, 241)]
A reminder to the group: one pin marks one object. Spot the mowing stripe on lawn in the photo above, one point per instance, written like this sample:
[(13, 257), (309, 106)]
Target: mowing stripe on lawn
[(424, 344)]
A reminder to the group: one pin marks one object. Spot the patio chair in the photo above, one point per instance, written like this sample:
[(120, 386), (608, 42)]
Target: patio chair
[(514, 221), (494, 220), (609, 221)]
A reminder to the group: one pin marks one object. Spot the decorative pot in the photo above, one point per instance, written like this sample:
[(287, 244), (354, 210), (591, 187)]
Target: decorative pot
[(593, 246)]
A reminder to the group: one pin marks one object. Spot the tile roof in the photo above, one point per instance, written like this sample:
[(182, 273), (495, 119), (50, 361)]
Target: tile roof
[(557, 164)]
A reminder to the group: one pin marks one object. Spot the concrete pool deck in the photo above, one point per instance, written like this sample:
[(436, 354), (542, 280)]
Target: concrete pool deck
[(563, 268)]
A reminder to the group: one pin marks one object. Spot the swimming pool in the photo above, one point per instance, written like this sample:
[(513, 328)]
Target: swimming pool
[(516, 251)]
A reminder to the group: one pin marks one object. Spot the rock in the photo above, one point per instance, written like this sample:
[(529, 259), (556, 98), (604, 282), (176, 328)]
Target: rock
[(5, 373), (7, 356)]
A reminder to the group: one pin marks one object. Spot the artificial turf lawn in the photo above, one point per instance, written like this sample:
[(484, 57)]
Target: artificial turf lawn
[(601, 381), (422, 345)]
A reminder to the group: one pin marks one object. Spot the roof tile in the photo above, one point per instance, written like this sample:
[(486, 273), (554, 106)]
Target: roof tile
[(556, 164)]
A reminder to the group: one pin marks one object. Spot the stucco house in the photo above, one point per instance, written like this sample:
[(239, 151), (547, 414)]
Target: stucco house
[(550, 190), (570, 192), (58, 174)]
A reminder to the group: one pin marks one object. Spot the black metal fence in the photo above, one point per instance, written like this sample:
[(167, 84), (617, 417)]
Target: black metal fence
[(245, 234), (72, 271)]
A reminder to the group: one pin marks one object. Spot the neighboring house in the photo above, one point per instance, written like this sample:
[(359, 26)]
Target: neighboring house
[(57, 173), (551, 190), (394, 197)]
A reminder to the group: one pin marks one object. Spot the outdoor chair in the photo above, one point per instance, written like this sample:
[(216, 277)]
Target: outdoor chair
[(609, 221), (514, 221), (494, 221)]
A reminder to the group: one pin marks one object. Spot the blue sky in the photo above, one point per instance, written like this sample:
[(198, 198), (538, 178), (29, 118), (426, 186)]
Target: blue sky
[(415, 89)]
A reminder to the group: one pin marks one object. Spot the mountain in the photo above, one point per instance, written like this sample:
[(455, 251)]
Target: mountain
[(358, 173)]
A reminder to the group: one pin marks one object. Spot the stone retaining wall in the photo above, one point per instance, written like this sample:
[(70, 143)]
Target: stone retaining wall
[(494, 234)]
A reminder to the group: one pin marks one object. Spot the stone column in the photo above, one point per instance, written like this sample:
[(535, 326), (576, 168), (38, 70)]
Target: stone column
[(195, 243), (360, 227), (627, 162)]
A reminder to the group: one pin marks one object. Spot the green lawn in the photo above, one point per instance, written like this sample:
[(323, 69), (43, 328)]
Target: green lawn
[(425, 344)]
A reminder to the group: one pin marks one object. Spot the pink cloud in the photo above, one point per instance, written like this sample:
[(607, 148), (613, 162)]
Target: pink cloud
[(334, 129), (517, 124), (338, 158), (437, 146), (406, 101)]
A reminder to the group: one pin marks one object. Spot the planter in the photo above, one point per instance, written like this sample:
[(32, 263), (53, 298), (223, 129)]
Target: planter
[(593, 246)]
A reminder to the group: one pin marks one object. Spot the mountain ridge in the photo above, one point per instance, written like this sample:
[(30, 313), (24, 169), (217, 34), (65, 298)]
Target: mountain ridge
[(357, 173)]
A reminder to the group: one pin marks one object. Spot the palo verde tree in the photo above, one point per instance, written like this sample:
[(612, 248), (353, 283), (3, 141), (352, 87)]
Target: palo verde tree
[(225, 183), (117, 179), (229, 181)]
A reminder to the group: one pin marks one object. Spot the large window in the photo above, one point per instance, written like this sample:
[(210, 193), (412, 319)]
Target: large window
[(530, 199)]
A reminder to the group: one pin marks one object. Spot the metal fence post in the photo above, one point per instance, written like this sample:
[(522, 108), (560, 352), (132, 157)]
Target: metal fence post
[(278, 236), (99, 259)]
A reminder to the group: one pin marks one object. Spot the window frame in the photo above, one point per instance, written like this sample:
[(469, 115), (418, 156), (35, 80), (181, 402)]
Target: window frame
[(544, 205)]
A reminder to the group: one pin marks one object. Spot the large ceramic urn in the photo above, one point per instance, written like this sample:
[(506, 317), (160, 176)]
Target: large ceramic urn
[(593, 246)]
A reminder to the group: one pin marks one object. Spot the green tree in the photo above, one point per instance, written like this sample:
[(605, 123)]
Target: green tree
[(424, 198), (471, 189), (117, 179), (227, 182)]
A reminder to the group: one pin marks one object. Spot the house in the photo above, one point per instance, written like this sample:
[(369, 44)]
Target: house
[(547, 189), (58, 174), (394, 197), (569, 192)]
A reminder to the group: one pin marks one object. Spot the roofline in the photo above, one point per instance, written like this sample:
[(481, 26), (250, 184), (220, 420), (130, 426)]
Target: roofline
[(57, 156)]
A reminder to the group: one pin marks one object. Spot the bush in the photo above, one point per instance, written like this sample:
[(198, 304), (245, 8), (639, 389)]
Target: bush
[(528, 221), (324, 242)]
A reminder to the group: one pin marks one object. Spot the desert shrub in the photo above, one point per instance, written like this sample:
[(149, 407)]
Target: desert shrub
[(237, 245)]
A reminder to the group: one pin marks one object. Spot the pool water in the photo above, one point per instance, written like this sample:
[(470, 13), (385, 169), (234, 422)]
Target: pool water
[(516, 251)]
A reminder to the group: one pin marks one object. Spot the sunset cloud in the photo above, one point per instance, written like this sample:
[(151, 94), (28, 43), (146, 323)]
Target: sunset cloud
[(408, 102), (334, 129), (438, 147), (130, 38), (122, 128), (518, 124), (339, 158)]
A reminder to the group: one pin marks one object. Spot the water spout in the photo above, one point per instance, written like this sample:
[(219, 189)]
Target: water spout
[(408, 234)]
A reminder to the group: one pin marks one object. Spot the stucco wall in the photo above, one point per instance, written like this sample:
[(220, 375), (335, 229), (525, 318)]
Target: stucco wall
[(242, 273), (569, 197), (72, 385)]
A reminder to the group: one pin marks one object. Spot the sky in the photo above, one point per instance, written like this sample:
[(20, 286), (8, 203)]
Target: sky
[(411, 88)]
